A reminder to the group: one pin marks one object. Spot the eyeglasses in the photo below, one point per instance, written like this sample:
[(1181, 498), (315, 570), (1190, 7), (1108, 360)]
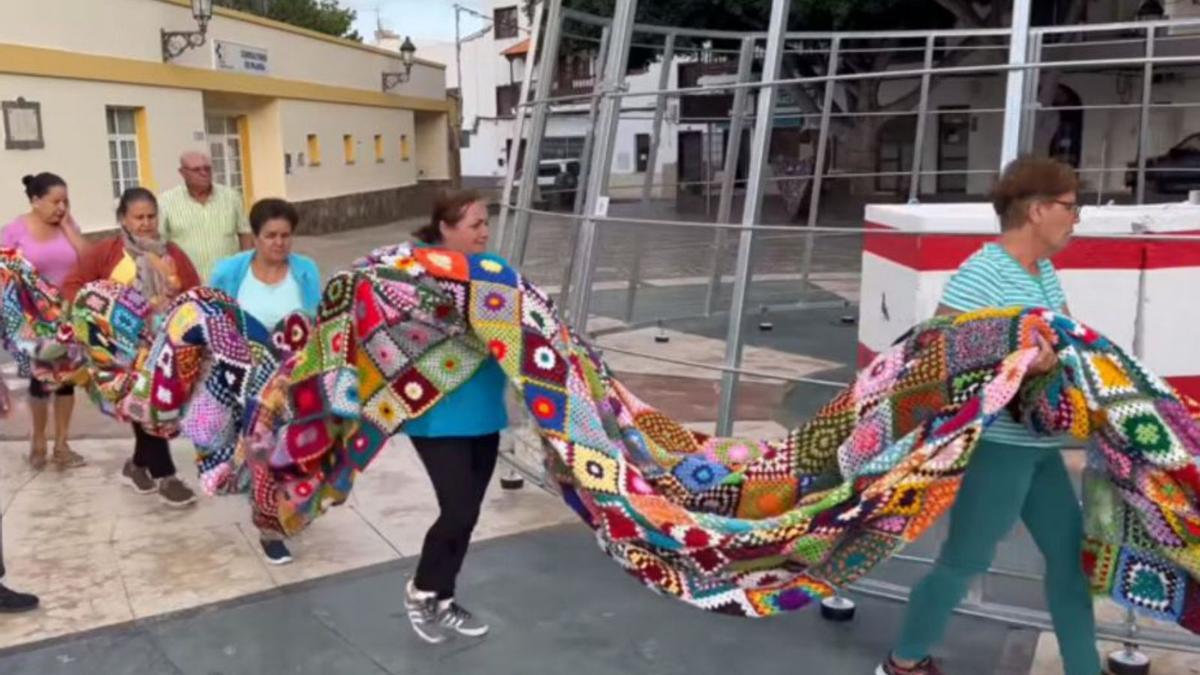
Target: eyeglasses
[(198, 169), (1073, 207)]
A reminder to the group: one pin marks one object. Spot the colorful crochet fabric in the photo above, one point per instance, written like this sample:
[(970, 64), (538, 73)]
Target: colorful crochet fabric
[(32, 329), (730, 525)]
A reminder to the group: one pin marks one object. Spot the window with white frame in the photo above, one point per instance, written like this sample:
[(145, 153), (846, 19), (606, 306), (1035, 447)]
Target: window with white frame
[(123, 149), (225, 148)]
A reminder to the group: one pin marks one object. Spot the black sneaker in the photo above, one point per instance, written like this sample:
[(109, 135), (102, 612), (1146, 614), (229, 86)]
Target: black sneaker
[(276, 551), (12, 602), (423, 614), (453, 616)]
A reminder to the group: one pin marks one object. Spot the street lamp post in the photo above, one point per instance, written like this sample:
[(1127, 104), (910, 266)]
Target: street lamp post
[(175, 43), (407, 52)]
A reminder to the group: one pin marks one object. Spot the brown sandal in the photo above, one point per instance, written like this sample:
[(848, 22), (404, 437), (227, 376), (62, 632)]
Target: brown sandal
[(66, 458), (37, 455)]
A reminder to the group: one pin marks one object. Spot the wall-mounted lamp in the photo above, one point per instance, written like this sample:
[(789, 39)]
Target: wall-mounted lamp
[(1150, 10), (407, 50), (175, 43)]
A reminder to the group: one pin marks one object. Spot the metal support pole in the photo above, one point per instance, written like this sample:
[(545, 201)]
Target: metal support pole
[(660, 111), (1018, 52), (1144, 122), (458, 62), (729, 179), (814, 201), (751, 211), (584, 164), (537, 130), (914, 179), (593, 110), (601, 161), (1032, 97), (504, 236)]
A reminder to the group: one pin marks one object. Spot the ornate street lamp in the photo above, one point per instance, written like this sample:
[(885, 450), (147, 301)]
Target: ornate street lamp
[(407, 50), (175, 43)]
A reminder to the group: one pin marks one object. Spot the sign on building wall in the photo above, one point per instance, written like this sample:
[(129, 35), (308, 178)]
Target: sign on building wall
[(22, 125), (240, 58)]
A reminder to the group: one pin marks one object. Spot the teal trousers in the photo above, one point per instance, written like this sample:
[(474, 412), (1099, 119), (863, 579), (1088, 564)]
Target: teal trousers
[(1004, 482)]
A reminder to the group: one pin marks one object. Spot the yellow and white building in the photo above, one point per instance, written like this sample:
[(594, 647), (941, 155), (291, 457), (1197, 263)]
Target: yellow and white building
[(284, 112)]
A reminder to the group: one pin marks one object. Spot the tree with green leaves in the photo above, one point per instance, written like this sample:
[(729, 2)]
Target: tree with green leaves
[(323, 16), (861, 106)]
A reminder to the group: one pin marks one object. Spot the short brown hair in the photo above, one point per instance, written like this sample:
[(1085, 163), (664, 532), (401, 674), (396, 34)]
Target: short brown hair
[(1026, 180), (447, 208)]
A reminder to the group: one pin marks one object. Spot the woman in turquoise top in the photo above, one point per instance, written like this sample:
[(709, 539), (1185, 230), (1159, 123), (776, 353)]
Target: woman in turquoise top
[(270, 282), (458, 441), (1012, 474)]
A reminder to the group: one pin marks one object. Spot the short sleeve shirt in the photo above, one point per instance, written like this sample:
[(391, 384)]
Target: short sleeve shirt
[(206, 232), (993, 278)]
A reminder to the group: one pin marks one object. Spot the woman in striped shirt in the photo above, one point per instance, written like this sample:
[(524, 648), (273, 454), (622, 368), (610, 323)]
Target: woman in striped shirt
[(1013, 474)]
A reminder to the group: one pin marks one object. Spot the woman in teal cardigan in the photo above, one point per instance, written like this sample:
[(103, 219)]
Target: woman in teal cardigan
[(458, 441), (270, 282)]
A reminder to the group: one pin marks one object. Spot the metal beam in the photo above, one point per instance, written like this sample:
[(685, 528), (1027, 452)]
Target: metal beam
[(585, 160), (1144, 122), (1014, 104), (751, 211), (818, 178), (660, 111), (601, 161), (914, 179), (728, 180), (537, 131)]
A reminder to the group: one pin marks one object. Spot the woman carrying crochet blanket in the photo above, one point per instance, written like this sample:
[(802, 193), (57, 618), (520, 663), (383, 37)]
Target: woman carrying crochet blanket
[(1013, 473), (160, 271), (458, 441)]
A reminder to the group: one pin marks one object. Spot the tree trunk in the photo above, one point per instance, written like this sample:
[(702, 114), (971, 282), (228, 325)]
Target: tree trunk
[(857, 152)]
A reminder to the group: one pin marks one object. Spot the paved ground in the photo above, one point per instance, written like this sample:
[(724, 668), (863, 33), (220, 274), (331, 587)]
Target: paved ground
[(555, 605)]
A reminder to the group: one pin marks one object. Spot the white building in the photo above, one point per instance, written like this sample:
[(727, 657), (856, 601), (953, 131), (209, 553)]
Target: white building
[(285, 112), (493, 63), (961, 146)]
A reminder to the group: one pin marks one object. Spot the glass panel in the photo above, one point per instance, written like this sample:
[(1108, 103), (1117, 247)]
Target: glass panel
[(235, 149), (125, 122), (116, 188), (110, 119), (112, 150), (128, 149)]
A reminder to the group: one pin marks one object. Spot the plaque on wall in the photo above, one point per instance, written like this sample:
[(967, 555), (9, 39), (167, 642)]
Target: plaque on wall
[(22, 125)]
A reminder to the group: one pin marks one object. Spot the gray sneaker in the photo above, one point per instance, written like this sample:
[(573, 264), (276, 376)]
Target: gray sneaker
[(138, 478), (423, 614), (453, 616), (174, 493)]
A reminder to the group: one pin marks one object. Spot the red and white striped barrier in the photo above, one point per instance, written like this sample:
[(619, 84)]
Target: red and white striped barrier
[(1132, 290)]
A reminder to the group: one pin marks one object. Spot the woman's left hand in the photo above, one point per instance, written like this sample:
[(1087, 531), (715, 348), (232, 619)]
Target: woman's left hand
[(1046, 357)]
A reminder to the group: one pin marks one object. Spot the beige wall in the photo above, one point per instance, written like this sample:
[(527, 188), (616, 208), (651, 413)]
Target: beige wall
[(73, 125), (432, 151), (330, 122), (130, 29)]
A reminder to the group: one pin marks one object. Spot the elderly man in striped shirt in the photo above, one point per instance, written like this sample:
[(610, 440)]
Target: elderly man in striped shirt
[(206, 220)]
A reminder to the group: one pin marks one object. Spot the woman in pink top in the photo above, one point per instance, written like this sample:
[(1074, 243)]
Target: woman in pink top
[(51, 242)]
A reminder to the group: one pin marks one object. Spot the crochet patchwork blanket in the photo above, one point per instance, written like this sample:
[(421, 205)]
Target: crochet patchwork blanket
[(731, 525)]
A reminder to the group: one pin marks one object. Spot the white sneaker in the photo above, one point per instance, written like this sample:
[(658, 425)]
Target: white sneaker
[(422, 609), (453, 616)]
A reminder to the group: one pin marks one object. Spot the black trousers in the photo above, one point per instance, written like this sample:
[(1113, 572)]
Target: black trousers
[(152, 453), (460, 468), (38, 390)]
